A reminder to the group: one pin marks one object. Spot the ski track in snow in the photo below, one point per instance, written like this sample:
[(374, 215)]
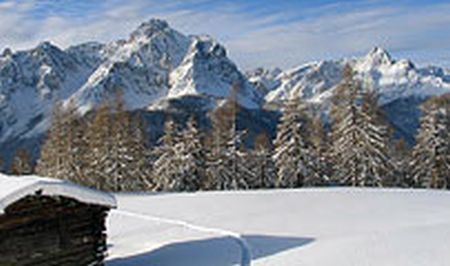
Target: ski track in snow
[(246, 255)]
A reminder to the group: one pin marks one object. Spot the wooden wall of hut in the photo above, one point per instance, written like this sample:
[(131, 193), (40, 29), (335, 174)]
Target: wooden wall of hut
[(41, 230)]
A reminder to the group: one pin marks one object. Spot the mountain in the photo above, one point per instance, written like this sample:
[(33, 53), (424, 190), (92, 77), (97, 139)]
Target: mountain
[(393, 79), (402, 86), (154, 64), (30, 82), (160, 70)]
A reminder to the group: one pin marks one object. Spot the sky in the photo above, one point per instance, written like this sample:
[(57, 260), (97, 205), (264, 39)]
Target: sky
[(256, 33)]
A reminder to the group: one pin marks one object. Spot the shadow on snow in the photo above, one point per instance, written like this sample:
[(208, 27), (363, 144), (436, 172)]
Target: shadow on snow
[(221, 251)]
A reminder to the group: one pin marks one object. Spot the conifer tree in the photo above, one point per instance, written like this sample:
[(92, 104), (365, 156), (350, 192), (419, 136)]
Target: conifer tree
[(2, 164), (141, 164), (227, 167), (166, 168), (76, 147), (53, 161), (321, 144), (107, 153), (99, 142), (243, 174), (360, 138), (262, 163), (220, 174), (63, 150), (119, 166), (21, 164), (294, 154), (430, 166), (401, 156), (117, 158), (192, 156)]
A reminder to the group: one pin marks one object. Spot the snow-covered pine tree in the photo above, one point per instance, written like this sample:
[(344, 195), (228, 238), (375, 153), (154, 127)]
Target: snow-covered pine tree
[(76, 146), (294, 154), (53, 161), (117, 158), (360, 138), (192, 155), (378, 139), (430, 166), (401, 156), (99, 142), (239, 162), (119, 165), (218, 171), (227, 165), (166, 168), (2, 164), (21, 164), (63, 150), (262, 163), (141, 163), (321, 143)]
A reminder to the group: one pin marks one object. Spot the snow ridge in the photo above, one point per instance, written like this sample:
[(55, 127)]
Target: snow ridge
[(246, 255), (393, 79)]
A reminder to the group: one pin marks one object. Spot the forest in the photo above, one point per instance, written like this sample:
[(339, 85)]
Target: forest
[(352, 146)]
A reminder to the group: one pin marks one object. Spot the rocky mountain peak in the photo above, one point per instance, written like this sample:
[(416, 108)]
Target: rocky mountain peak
[(151, 28), (378, 56), (7, 52), (205, 45)]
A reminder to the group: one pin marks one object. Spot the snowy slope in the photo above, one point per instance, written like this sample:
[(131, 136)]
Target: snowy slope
[(264, 80), (313, 227), (30, 81), (393, 79), (206, 70)]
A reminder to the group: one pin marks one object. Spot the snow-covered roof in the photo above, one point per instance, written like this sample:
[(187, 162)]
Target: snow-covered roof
[(14, 188)]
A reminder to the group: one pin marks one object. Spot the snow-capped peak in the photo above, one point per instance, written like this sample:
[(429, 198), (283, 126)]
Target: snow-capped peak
[(158, 62), (85, 74), (376, 58), (392, 78), (46, 45), (379, 56), (151, 28), (7, 52), (206, 70)]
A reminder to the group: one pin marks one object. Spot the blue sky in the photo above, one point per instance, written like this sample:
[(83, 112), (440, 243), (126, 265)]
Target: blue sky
[(255, 32)]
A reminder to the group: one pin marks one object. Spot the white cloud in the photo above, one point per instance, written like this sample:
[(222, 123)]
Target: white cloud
[(252, 40)]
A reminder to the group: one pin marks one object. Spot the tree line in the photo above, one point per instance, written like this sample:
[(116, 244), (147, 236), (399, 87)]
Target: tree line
[(354, 147)]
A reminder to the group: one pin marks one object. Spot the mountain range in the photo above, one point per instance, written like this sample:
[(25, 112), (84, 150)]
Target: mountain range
[(159, 69)]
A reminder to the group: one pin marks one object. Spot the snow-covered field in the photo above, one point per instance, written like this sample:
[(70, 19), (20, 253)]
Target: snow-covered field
[(340, 227)]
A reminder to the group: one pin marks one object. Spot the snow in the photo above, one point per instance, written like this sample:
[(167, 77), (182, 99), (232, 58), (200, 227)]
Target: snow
[(14, 188), (335, 226)]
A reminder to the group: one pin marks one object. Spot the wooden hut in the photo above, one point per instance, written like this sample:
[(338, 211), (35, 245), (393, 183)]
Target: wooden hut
[(51, 222)]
